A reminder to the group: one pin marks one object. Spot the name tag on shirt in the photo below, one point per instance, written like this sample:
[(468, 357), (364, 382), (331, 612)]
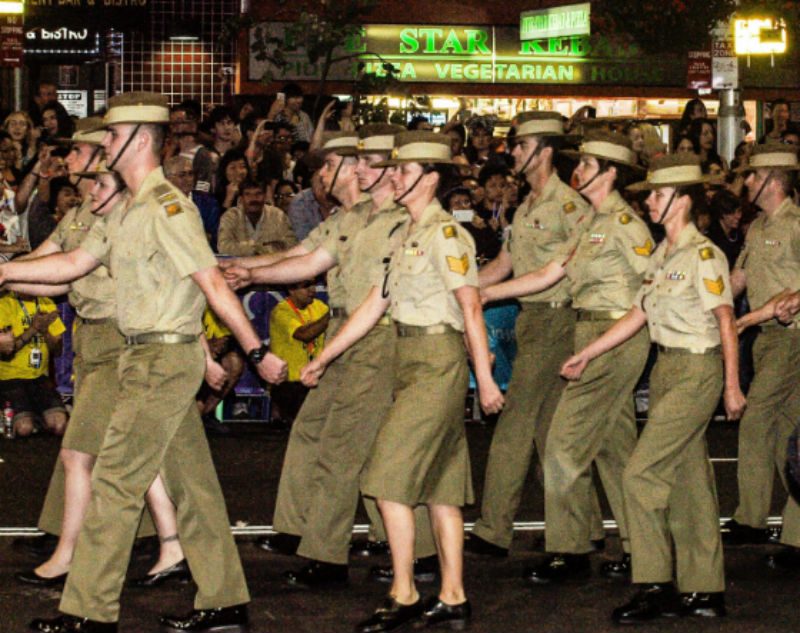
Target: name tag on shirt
[(676, 276)]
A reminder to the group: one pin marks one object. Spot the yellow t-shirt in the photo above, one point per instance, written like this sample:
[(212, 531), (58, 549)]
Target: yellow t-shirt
[(212, 326), (283, 322), (13, 314)]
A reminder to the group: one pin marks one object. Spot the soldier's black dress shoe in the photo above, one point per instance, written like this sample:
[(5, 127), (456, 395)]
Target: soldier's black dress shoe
[(651, 601), (71, 624), (367, 548), (389, 616), (598, 544), (32, 578), (619, 569), (476, 545), (317, 574), (41, 546), (225, 620), (735, 533), (704, 605), (787, 559), (426, 569), (279, 543), (436, 613), (558, 568), (179, 572)]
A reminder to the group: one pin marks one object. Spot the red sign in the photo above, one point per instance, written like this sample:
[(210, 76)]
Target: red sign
[(698, 74), (11, 41)]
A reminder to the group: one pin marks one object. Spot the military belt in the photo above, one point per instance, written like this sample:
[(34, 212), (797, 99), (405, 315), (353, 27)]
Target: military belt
[(338, 313), (688, 350), (601, 315), (417, 330), (95, 321), (167, 338), (545, 304)]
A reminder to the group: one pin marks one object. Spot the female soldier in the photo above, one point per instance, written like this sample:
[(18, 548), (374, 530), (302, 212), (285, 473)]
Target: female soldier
[(594, 420), (420, 455), (670, 497)]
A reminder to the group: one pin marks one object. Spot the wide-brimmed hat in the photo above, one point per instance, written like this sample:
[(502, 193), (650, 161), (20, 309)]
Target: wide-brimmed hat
[(341, 143), (137, 107), (419, 146), (375, 138), (771, 156), (87, 130), (541, 123), (606, 145), (101, 168), (672, 170)]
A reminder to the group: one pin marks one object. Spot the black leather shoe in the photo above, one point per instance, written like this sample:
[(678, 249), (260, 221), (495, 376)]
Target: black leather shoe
[(366, 548), (179, 572), (279, 544), (41, 546), (317, 575), (653, 600), (32, 578), (71, 624), (389, 616), (436, 613), (599, 544), (226, 620), (704, 605), (787, 559), (425, 570), (558, 568), (476, 545), (735, 533), (619, 569)]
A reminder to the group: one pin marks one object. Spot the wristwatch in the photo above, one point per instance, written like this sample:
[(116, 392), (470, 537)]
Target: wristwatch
[(257, 354)]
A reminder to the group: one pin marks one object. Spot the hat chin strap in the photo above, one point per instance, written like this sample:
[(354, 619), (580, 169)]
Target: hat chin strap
[(534, 153), (113, 163), (410, 189), (376, 181), (95, 152), (666, 209), (107, 200), (335, 177), (591, 180), (761, 190)]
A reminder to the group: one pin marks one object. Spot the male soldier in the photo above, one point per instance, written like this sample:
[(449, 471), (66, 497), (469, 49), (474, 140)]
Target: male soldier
[(545, 329), (768, 264), (157, 251)]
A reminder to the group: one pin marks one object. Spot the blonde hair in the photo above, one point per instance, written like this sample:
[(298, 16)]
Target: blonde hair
[(653, 145), (24, 115)]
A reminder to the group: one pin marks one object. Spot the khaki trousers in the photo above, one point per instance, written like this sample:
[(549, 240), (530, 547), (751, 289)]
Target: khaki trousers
[(545, 338), (772, 413), (155, 428), (593, 423), (670, 494)]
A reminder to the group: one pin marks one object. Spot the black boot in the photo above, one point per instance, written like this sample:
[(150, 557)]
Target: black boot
[(366, 548), (317, 575), (651, 601), (178, 572), (558, 568), (389, 616), (704, 605), (436, 613), (279, 543), (735, 533), (474, 544), (619, 569), (225, 620), (71, 624)]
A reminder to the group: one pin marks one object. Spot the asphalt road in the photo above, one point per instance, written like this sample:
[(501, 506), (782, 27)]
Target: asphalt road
[(249, 466)]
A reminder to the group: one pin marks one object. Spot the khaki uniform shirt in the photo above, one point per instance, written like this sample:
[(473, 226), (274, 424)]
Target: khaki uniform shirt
[(93, 296), (608, 258), (370, 251), (152, 246), (272, 234), (771, 256), (432, 258), (680, 289), (540, 229)]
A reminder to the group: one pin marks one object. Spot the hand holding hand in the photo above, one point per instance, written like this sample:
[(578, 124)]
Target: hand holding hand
[(237, 277)]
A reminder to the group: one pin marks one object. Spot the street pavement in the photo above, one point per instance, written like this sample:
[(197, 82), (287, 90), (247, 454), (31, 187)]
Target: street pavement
[(249, 461)]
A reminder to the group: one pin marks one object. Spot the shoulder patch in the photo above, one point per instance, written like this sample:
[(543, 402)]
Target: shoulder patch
[(706, 253), (714, 286), (449, 231), (458, 265), (625, 218), (162, 189), (569, 207), (173, 208), (645, 249)]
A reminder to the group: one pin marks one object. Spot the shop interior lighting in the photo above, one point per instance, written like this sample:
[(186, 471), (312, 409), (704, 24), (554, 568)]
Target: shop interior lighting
[(11, 8), (759, 36)]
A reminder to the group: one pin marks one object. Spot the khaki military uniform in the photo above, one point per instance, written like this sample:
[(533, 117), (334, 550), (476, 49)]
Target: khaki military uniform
[(595, 420), (771, 261), (97, 344), (300, 460), (152, 248), (237, 236), (545, 330), (420, 455), (670, 495)]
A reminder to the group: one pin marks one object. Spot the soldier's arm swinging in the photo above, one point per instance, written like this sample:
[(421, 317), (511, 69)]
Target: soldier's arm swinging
[(528, 284), (57, 268)]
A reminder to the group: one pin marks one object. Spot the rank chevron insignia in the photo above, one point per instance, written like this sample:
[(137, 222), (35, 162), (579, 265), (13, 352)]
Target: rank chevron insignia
[(714, 286), (459, 265), (645, 249)]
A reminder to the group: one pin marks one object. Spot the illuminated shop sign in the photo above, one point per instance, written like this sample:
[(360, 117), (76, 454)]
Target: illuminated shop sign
[(759, 36), (62, 40), (478, 54), (555, 22), (100, 14)]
